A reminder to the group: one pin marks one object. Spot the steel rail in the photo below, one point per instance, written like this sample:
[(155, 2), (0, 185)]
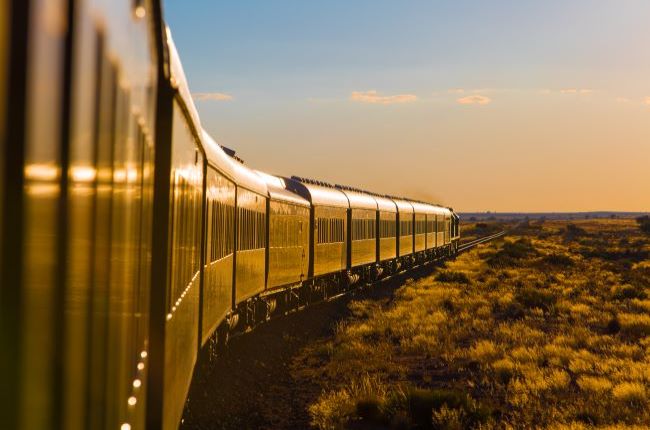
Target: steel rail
[(469, 245)]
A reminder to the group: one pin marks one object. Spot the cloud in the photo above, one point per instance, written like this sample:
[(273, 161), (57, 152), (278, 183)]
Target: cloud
[(218, 97), (474, 100), (646, 100), (576, 91), (622, 100), (456, 91), (373, 96)]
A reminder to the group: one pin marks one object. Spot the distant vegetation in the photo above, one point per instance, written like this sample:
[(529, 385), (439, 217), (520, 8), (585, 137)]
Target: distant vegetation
[(644, 223), (549, 328)]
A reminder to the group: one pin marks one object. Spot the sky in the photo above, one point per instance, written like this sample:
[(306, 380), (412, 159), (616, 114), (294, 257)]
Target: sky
[(506, 105)]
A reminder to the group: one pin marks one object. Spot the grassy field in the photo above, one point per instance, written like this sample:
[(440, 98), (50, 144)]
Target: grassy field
[(548, 328)]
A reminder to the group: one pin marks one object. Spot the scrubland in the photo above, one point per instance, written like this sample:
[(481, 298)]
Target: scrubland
[(547, 328)]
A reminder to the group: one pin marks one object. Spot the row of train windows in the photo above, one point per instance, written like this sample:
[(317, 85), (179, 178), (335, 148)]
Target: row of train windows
[(331, 230), (405, 228), (363, 229), (387, 228), (221, 219), (186, 235), (287, 231), (251, 231), (420, 226)]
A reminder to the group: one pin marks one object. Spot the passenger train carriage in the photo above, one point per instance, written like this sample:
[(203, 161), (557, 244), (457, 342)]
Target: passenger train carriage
[(131, 239)]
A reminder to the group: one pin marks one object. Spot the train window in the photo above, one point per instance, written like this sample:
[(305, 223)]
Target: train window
[(251, 231), (441, 225), (387, 228), (330, 230), (406, 228), (363, 229)]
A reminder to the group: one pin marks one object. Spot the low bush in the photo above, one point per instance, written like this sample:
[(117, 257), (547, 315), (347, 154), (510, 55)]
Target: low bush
[(573, 231), (512, 253), (644, 223), (450, 276), (627, 292), (536, 298), (558, 260)]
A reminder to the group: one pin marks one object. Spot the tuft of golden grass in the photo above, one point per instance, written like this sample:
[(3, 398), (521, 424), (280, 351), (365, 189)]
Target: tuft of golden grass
[(548, 328)]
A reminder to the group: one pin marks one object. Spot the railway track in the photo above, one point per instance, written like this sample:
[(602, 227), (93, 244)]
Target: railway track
[(469, 245), (256, 356), (395, 277)]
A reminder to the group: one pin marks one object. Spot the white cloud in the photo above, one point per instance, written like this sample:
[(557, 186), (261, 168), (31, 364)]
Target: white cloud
[(474, 100), (583, 91), (456, 91), (622, 100), (646, 100), (374, 97), (219, 97)]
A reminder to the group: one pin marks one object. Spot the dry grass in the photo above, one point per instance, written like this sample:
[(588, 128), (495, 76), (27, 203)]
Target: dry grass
[(548, 328)]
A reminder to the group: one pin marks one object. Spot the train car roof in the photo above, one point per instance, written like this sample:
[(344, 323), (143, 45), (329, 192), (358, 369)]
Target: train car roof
[(279, 192), (424, 208), (247, 178), (385, 204), (217, 157), (318, 195), (403, 205), (359, 200), (179, 81), (445, 211)]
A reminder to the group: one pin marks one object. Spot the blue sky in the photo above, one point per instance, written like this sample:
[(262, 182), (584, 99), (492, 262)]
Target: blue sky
[(533, 89)]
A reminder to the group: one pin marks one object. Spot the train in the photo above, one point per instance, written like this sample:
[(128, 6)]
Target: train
[(131, 240)]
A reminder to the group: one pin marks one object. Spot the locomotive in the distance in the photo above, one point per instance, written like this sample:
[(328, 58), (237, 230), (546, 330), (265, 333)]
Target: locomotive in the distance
[(130, 238)]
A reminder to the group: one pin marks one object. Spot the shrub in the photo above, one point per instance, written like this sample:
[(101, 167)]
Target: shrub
[(613, 325), (630, 392), (484, 351), (369, 409), (509, 311), (635, 325), (627, 292), (449, 276), (512, 252), (572, 231), (558, 260), (444, 408), (594, 384), (504, 370), (644, 223), (535, 298)]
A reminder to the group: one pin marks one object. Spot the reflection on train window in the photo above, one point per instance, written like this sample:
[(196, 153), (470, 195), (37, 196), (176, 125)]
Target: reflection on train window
[(431, 225), (251, 231), (420, 226), (286, 231), (221, 219), (331, 230), (363, 229), (406, 228), (387, 228)]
